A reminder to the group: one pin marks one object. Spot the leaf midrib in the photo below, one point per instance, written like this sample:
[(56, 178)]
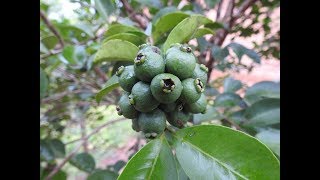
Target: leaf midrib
[(155, 161), (221, 163)]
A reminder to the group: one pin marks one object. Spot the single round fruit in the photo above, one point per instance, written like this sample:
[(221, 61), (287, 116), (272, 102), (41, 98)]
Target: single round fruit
[(167, 107), (127, 78), (178, 117), (125, 108), (192, 89), (135, 125), (201, 72), (148, 64), (180, 61), (152, 123), (148, 47), (141, 97), (166, 88), (199, 106)]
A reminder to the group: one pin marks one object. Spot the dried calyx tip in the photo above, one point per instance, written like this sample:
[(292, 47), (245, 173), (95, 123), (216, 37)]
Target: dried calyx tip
[(203, 67), (140, 58), (167, 85), (120, 70), (199, 85), (119, 110), (131, 101), (180, 107), (186, 49)]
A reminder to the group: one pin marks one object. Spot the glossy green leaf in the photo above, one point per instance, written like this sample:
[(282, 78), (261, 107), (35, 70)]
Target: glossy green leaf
[(231, 85), (227, 99), (44, 83), (120, 28), (210, 114), (60, 175), (50, 41), (84, 162), (111, 84), (46, 152), (105, 8), (262, 113), (154, 161), (116, 50), (58, 148), (163, 12), (271, 138), (165, 24), (134, 39), (240, 50), (181, 174), (261, 90), (100, 174), (218, 152), (202, 31), (185, 30), (68, 54), (69, 32)]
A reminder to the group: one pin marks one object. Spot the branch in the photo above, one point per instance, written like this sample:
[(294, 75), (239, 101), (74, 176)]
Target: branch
[(219, 10), (51, 27), (101, 74), (58, 167), (133, 15), (97, 130)]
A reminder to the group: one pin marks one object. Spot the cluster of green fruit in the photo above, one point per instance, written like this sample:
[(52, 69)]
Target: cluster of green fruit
[(162, 87)]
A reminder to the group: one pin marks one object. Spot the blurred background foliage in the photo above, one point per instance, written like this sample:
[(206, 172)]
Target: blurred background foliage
[(83, 139)]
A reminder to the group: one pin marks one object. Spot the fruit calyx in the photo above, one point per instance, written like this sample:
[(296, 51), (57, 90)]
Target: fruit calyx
[(119, 110), (140, 59), (199, 85), (167, 85), (120, 70)]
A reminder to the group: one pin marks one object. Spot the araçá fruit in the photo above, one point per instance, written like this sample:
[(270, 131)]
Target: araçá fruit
[(199, 106), (166, 88), (201, 72), (152, 123), (148, 64), (127, 77), (125, 108), (180, 61), (178, 117), (192, 89), (141, 97)]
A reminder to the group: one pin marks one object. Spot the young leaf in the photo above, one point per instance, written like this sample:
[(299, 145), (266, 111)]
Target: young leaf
[(262, 113), (120, 28), (261, 90), (116, 50), (111, 84), (217, 152), (84, 162), (231, 85), (46, 153), (136, 40), (166, 23), (57, 147), (185, 30), (154, 161), (271, 138), (50, 41), (163, 12), (100, 174), (202, 31), (219, 53)]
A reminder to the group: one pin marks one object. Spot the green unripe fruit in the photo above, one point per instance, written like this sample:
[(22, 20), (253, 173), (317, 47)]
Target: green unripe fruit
[(180, 61), (201, 72), (166, 88), (199, 106), (192, 89), (152, 123), (148, 64), (148, 47), (141, 97), (127, 78), (125, 108), (135, 125), (168, 107), (178, 117)]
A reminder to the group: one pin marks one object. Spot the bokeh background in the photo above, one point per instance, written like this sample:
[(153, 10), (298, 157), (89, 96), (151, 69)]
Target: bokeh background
[(71, 32)]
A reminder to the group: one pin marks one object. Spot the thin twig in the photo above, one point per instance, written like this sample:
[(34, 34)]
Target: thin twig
[(232, 124), (219, 10), (51, 27), (97, 130), (101, 74), (133, 15), (58, 167)]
